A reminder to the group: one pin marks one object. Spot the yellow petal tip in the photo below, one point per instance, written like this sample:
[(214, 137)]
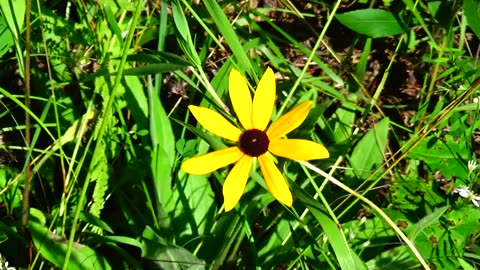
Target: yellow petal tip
[(229, 208)]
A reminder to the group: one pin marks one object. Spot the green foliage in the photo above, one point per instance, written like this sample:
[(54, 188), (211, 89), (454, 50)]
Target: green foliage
[(371, 22), (53, 247), (395, 101), (446, 156), (472, 13), (368, 154)]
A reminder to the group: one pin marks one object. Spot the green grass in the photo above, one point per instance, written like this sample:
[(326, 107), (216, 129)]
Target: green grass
[(395, 103)]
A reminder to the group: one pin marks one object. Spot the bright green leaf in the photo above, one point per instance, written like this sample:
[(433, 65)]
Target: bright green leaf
[(368, 154), (371, 22)]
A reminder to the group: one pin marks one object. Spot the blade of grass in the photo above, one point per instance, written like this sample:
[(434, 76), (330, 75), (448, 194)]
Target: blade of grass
[(107, 111), (228, 33)]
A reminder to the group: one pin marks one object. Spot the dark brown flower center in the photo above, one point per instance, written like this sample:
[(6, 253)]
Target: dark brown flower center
[(254, 142)]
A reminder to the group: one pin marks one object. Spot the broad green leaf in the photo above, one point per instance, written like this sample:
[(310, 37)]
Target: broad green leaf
[(471, 9), (161, 254), (443, 12), (368, 154), (53, 248), (6, 38), (14, 13), (442, 241), (398, 258), (462, 223), (371, 22), (414, 193), (343, 123), (374, 231), (193, 205), (447, 156)]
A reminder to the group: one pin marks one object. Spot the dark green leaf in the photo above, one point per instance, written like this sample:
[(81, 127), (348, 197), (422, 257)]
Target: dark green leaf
[(471, 9), (54, 248), (165, 255)]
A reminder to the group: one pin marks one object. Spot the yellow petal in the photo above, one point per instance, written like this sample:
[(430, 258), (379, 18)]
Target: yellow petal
[(240, 97), (264, 100), (297, 149), (234, 185), (274, 179), (215, 123), (212, 161), (289, 121)]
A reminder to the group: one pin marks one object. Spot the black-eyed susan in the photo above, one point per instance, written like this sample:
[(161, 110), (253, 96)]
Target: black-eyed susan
[(255, 141)]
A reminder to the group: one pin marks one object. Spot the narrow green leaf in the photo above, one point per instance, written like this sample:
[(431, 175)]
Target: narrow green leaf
[(346, 258), (229, 35), (94, 220), (157, 57), (414, 230), (112, 22), (152, 69), (214, 142)]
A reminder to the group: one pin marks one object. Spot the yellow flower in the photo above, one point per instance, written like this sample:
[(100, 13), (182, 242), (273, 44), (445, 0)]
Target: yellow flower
[(255, 141)]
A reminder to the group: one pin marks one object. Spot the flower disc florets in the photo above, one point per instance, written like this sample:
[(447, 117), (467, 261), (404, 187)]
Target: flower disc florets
[(254, 142)]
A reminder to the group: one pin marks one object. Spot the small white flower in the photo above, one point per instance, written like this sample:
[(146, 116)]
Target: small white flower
[(363, 220), (472, 165), (4, 264), (465, 192), (476, 200)]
